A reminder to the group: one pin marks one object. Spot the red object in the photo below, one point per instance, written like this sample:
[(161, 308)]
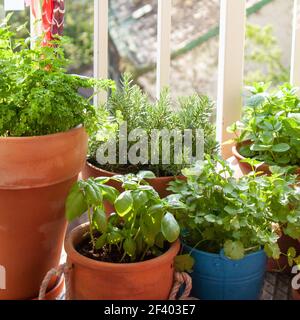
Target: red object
[(52, 19)]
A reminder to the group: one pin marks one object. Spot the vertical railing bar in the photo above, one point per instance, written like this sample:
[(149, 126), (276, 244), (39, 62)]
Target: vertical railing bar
[(231, 68), (35, 21), (295, 59), (100, 45), (163, 45)]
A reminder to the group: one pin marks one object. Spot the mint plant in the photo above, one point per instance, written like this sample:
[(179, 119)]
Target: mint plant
[(37, 95), (141, 227), (129, 104), (237, 215), (270, 128)]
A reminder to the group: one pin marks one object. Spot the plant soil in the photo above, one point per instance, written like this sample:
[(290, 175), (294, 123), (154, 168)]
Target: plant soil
[(128, 168), (114, 255)]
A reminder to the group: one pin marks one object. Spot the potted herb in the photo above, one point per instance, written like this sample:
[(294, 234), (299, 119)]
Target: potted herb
[(270, 134), (128, 255), (129, 105), (43, 146), (228, 226), (269, 131)]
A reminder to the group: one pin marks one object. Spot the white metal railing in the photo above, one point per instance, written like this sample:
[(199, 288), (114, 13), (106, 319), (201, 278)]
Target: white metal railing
[(163, 45), (231, 67), (100, 43), (231, 55), (295, 65)]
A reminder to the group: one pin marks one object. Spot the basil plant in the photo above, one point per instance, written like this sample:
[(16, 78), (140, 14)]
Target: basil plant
[(141, 226)]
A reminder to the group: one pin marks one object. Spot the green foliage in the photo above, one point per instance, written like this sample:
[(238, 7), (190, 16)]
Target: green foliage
[(79, 27), (143, 223), (264, 56), (37, 96), (129, 104), (271, 121), (184, 262), (238, 216)]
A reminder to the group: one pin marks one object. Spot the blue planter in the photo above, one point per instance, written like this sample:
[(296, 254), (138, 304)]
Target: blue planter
[(215, 277)]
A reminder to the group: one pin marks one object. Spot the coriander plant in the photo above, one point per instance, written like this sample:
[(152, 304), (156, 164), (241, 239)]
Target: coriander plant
[(141, 227), (238, 216)]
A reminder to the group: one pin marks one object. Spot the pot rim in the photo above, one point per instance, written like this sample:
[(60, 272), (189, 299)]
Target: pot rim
[(221, 254), (110, 173), (265, 167), (75, 256), (46, 136), (236, 153)]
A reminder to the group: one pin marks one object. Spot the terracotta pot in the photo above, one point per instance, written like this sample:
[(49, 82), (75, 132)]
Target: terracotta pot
[(94, 280), (162, 183), (36, 176), (263, 167), (90, 170), (159, 184), (55, 292), (296, 295), (284, 243)]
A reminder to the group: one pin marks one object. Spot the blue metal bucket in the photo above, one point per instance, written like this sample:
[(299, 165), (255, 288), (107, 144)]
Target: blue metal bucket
[(215, 277)]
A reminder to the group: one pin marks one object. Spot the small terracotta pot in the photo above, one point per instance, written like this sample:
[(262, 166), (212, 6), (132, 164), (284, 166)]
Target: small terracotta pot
[(284, 242), (160, 184), (265, 168), (296, 294), (94, 280), (36, 176)]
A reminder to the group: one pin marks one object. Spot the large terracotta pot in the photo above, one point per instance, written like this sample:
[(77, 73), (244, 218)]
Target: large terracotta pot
[(94, 280), (56, 293), (36, 174), (159, 184)]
